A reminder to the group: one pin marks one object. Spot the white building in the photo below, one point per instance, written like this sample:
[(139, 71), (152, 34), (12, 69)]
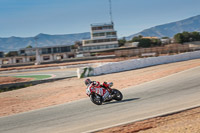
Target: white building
[(45, 54), (103, 36)]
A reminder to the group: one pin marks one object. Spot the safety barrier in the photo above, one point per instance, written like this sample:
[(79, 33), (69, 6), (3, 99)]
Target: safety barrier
[(136, 63)]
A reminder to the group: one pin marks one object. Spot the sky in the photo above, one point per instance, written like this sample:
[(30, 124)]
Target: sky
[(27, 18)]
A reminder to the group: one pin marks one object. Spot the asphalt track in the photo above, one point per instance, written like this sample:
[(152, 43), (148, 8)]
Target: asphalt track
[(169, 94)]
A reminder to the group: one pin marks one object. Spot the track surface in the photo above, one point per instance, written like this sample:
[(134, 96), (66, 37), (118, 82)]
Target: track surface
[(59, 73), (169, 94)]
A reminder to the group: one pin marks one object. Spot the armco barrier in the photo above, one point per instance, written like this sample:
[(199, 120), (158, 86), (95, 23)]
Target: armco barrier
[(143, 62)]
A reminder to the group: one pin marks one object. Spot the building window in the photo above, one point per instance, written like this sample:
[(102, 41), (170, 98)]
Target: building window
[(97, 28), (46, 58), (111, 34), (57, 50), (108, 27), (1, 54), (32, 59), (22, 51), (110, 46), (19, 60), (65, 49), (44, 51), (100, 40), (98, 34), (102, 27), (49, 50)]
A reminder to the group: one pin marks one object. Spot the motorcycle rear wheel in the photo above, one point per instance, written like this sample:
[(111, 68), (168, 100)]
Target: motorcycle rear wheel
[(96, 99)]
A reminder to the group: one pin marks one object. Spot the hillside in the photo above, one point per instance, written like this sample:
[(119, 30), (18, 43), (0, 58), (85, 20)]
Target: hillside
[(15, 43), (170, 29)]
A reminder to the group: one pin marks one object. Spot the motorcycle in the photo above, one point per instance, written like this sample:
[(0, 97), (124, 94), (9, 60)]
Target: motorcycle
[(103, 93)]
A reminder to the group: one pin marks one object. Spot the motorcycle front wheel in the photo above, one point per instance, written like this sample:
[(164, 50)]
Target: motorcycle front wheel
[(117, 95), (96, 99)]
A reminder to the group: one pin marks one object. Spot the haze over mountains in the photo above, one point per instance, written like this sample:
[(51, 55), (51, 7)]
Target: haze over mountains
[(169, 29)]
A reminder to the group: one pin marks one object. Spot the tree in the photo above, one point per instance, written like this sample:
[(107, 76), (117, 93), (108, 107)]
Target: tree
[(76, 45), (12, 54), (136, 39), (145, 43), (155, 42), (187, 37), (165, 37), (29, 46), (178, 38), (140, 36), (195, 36), (122, 42)]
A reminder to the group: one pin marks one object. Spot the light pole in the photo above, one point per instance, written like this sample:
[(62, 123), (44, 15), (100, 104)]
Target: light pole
[(37, 52), (110, 11)]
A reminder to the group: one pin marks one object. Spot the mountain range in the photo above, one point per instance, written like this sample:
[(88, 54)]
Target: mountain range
[(165, 30), (15, 43), (170, 29)]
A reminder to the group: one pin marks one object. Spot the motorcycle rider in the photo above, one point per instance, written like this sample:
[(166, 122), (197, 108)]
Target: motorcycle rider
[(96, 83), (90, 84)]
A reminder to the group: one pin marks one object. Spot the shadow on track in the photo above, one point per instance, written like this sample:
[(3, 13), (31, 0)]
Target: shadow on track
[(124, 100)]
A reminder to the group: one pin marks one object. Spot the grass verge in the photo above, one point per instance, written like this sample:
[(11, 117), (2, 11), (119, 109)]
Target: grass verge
[(35, 77)]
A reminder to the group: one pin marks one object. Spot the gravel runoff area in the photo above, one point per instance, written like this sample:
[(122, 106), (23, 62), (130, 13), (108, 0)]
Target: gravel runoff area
[(186, 121), (9, 80), (59, 92)]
